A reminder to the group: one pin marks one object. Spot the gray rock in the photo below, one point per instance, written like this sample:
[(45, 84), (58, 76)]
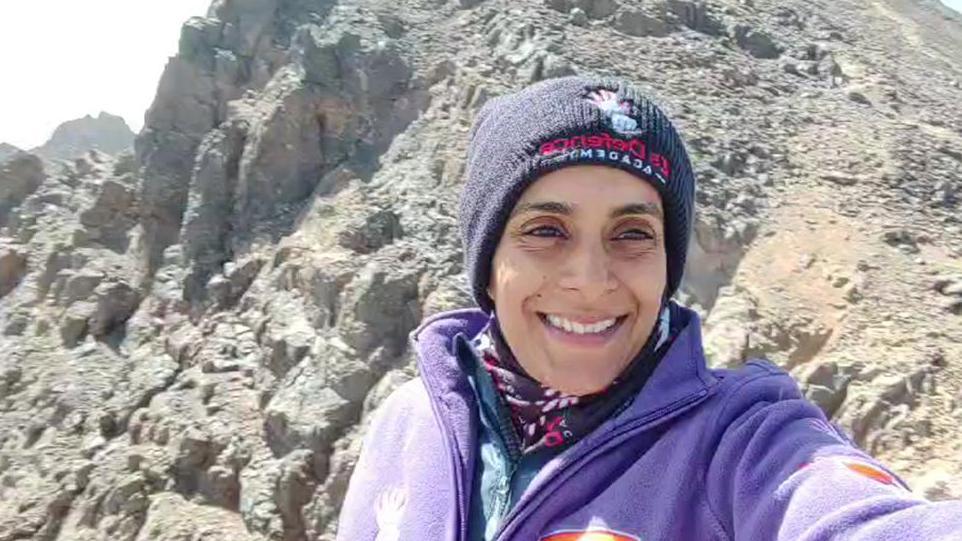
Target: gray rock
[(80, 285), (853, 293), (7, 151), (17, 324), (840, 178), (112, 215), (370, 233), (729, 328), (948, 285), (640, 23), (902, 239), (20, 176), (597, 9), (293, 423), (858, 97), (578, 17), (757, 42), (171, 517), (384, 308), (115, 303), (826, 385), (827, 399), (452, 293), (696, 15), (13, 267), (730, 163), (556, 66), (106, 133), (73, 323)]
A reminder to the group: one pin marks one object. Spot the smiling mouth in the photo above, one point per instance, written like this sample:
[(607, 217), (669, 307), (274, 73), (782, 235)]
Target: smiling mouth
[(600, 329)]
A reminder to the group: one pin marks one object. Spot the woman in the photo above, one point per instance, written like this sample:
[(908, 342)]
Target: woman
[(575, 401)]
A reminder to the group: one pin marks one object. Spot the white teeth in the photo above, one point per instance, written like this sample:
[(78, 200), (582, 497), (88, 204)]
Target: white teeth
[(579, 328)]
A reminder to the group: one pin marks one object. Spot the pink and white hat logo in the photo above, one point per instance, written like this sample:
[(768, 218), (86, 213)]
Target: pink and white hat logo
[(616, 110)]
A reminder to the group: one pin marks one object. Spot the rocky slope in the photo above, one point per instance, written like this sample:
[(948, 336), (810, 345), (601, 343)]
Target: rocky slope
[(106, 133), (7, 150), (193, 337)]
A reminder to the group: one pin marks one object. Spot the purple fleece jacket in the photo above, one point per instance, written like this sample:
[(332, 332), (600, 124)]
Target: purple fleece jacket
[(699, 454)]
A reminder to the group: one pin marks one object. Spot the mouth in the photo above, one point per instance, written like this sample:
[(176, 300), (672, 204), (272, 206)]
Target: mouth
[(577, 334)]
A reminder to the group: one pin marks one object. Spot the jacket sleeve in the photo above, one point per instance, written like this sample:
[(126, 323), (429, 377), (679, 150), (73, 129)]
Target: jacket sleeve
[(780, 471)]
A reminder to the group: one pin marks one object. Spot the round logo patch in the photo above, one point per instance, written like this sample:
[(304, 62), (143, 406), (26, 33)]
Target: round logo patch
[(589, 535)]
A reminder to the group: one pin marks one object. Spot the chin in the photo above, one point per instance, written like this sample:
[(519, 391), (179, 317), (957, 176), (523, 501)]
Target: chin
[(583, 388)]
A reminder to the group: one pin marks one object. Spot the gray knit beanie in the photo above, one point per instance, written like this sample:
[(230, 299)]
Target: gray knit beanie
[(555, 123)]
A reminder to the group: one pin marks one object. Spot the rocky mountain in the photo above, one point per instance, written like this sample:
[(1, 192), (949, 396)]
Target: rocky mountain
[(7, 150), (105, 133), (193, 337)]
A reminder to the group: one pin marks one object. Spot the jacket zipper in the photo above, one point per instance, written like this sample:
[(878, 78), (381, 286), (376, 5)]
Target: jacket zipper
[(504, 493), (525, 507)]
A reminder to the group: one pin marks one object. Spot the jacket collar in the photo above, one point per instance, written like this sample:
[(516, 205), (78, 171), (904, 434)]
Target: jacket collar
[(681, 373)]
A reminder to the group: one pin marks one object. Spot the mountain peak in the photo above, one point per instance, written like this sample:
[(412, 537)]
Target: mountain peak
[(106, 132)]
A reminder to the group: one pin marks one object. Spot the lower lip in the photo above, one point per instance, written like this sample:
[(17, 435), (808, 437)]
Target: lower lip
[(584, 340)]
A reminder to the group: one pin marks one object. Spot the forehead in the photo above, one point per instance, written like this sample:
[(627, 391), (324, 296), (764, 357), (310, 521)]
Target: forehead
[(591, 186)]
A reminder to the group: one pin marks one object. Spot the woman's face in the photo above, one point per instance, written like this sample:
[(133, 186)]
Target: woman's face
[(583, 247)]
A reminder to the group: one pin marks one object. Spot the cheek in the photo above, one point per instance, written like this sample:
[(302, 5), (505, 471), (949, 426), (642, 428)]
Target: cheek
[(513, 280), (646, 283)]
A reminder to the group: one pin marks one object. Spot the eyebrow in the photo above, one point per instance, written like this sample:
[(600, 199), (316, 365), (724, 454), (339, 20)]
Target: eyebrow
[(638, 208), (554, 207), (557, 207)]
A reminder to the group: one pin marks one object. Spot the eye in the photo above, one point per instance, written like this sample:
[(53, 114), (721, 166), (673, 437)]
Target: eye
[(545, 231), (635, 234)]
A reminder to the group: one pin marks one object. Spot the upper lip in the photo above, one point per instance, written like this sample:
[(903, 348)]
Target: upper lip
[(582, 319)]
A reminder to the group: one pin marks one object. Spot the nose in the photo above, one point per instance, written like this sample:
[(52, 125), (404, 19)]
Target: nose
[(587, 271)]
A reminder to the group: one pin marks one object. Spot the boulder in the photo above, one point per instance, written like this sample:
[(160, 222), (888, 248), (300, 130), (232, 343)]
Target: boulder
[(13, 267), (640, 24), (115, 302), (597, 9), (757, 42), (20, 176)]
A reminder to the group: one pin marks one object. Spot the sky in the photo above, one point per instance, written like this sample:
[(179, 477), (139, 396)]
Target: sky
[(63, 59)]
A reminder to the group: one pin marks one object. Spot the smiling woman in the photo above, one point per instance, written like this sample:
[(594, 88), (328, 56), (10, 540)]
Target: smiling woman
[(579, 276), (575, 401)]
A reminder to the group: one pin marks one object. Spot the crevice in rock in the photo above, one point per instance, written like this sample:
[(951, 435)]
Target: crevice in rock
[(716, 250)]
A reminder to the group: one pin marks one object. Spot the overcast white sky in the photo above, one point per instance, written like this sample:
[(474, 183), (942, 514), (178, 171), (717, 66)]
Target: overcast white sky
[(63, 59)]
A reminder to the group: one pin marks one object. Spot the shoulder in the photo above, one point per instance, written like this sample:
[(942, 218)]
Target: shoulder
[(408, 398), (394, 421), (761, 402), (757, 381), (761, 398)]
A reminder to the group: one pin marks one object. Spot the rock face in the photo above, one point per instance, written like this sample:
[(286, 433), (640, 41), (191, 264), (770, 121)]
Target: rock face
[(20, 176), (106, 133), (7, 150), (193, 336)]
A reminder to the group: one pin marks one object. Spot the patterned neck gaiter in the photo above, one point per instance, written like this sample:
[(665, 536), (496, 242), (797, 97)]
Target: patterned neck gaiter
[(547, 418)]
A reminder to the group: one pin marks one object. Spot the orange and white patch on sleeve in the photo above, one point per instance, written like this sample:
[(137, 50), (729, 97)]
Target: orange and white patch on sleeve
[(589, 535), (870, 471), (862, 468)]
